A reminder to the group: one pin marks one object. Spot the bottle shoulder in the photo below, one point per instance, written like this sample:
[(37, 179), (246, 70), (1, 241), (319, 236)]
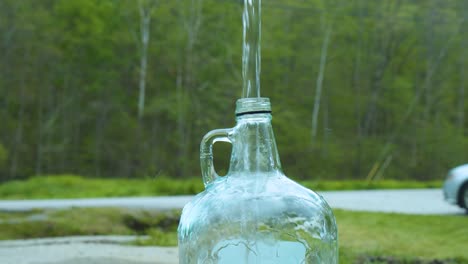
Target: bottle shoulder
[(274, 204), (237, 196), (258, 185)]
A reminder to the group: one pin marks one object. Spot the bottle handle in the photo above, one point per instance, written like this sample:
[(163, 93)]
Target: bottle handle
[(206, 153)]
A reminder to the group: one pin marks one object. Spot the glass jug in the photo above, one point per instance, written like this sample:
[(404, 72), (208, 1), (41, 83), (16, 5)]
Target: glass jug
[(254, 214)]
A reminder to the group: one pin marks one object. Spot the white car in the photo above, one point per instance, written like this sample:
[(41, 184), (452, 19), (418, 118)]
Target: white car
[(456, 186)]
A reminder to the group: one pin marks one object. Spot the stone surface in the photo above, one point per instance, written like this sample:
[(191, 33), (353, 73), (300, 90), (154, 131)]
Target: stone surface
[(83, 250)]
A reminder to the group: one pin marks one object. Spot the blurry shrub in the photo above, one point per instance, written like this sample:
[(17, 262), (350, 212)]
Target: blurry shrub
[(3, 158)]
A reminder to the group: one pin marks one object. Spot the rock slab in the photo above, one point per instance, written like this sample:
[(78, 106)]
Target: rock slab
[(79, 250)]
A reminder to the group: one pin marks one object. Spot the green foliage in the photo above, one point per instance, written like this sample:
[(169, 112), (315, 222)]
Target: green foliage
[(85, 221), (362, 185), (3, 156), (63, 223), (70, 186), (394, 87)]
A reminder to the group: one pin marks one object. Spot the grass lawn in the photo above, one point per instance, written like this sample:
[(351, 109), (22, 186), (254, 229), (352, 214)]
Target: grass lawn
[(363, 237), (402, 236), (70, 186)]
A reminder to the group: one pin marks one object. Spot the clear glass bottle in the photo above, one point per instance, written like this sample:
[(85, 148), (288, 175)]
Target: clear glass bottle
[(254, 214)]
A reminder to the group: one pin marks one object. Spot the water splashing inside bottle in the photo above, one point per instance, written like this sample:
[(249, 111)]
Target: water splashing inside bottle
[(251, 56)]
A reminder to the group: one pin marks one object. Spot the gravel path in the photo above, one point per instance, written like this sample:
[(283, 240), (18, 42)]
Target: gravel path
[(83, 250), (409, 201), (150, 203)]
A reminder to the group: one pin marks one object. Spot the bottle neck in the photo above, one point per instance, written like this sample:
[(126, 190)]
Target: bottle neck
[(254, 146)]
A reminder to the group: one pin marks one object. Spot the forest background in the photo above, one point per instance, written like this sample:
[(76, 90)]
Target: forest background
[(126, 89)]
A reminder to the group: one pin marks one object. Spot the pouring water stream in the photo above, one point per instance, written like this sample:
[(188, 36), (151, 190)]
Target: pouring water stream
[(251, 55)]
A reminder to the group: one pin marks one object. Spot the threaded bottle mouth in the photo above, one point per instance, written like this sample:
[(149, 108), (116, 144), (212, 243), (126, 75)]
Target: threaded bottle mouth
[(253, 105)]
